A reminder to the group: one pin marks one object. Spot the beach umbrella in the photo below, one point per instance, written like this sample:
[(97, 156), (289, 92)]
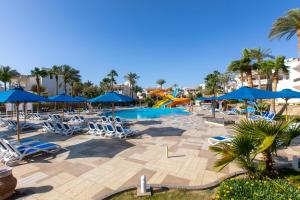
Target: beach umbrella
[(287, 94), (207, 98), (81, 99), (63, 98), (17, 96), (111, 97), (246, 93)]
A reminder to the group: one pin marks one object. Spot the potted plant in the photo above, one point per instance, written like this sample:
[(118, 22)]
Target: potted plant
[(8, 183)]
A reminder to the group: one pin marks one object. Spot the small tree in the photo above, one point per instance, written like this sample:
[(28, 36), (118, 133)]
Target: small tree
[(160, 82), (111, 75), (253, 138), (6, 74), (212, 85)]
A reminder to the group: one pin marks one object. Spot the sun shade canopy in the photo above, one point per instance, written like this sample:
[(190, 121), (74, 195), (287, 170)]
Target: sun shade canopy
[(247, 93), (111, 97), (62, 98), (18, 95)]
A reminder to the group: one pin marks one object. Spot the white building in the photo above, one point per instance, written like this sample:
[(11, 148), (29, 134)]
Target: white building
[(124, 89), (286, 81), (49, 83)]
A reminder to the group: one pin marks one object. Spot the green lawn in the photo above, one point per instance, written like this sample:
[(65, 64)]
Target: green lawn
[(292, 176), (171, 194)]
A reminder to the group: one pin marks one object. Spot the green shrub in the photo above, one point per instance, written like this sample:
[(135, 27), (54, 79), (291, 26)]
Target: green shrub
[(239, 189), (149, 101)]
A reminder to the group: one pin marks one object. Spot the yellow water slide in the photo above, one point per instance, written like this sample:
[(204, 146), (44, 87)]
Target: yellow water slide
[(168, 99)]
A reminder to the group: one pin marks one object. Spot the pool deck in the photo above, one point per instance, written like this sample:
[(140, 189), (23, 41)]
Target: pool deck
[(89, 167)]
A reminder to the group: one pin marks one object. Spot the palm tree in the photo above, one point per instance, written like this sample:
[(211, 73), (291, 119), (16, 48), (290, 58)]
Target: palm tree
[(38, 73), (6, 74), (288, 26), (74, 77), (246, 62), (64, 70), (161, 82), (111, 75), (237, 67), (253, 138), (131, 78), (259, 55), (266, 69), (278, 67), (224, 78), (212, 85), (105, 84), (69, 75), (55, 72)]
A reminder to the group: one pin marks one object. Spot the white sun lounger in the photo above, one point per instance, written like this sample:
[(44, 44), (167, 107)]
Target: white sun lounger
[(126, 132), (109, 130), (15, 153), (217, 139)]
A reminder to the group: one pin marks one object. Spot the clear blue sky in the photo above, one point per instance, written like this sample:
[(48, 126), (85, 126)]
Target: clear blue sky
[(178, 40)]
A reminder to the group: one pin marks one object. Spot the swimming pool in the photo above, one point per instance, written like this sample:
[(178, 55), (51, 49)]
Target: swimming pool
[(148, 113)]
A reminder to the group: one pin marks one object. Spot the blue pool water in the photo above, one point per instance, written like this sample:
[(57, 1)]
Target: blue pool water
[(148, 113)]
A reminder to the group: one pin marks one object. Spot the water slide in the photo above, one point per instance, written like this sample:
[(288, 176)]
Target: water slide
[(168, 99)]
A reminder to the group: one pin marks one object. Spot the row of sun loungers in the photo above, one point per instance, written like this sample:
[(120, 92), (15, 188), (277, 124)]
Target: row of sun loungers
[(109, 130), (54, 118), (60, 128), (268, 116), (11, 153), (32, 116)]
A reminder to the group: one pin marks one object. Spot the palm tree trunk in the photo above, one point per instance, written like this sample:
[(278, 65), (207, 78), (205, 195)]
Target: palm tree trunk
[(298, 36), (274, 89), (56, 79), (259, 79), (242, 78), (5, 86), (65, 87), (249, 79), (270, 170)]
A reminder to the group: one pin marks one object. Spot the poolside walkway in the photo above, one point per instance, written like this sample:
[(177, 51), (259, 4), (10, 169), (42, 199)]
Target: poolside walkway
[(89, 167)]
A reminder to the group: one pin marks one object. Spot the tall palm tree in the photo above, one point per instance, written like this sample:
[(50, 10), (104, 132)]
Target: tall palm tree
[(105, 84), (212, 85), (277, 68), (74, 78), (65, 72), (266, 69), (69, 75), (38, 73), (111, 75), (288, 26), (259, 55), (237, 67), (224, 78), (55, 72), (6, 74), (161, 82), (252, 138), (246, 62), (132, 79)]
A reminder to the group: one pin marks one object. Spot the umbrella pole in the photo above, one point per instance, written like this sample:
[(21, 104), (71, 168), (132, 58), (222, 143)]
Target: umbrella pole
[(286, 109), (18, 127), (246, 108), (113, 109), (63, 113), (25, 112)]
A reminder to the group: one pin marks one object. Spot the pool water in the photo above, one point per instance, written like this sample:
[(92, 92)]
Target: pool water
[(148, 113)]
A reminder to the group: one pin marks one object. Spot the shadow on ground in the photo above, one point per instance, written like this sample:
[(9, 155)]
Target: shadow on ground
[(26, 192), (148, 122), (163, 131), (98, 148)]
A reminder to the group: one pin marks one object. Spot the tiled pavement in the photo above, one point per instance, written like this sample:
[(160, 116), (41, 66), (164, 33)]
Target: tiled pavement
[(90, 166)]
